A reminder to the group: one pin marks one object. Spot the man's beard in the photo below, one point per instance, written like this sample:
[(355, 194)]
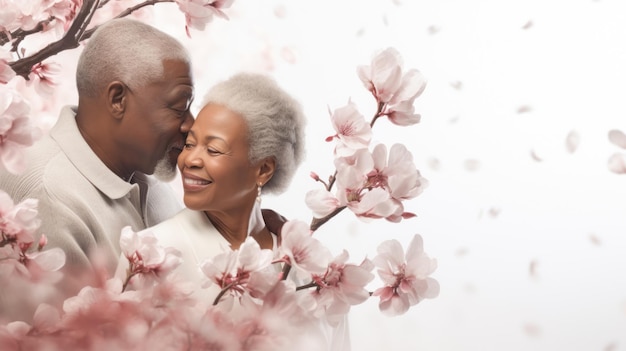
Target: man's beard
[(165, 171)]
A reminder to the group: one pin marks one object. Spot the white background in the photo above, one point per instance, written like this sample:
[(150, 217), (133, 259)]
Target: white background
[(530, 238)]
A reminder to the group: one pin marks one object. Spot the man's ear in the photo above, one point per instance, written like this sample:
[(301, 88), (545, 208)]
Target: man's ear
[(117, 97), (266, 170)]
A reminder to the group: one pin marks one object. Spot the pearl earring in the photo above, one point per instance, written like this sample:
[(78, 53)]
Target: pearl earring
[(258, 193)]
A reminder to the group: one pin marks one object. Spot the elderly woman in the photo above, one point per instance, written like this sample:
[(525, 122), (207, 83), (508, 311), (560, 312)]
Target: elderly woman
[(247, 140)]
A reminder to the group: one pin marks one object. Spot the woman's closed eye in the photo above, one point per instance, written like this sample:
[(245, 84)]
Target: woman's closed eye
[(213, 151)]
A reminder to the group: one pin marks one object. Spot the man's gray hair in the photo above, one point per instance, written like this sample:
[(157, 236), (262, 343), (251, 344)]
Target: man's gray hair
[(274, 118), (126, 50)]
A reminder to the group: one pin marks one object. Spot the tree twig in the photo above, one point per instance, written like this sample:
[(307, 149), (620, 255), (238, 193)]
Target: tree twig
[(73, 37), (23, 66)]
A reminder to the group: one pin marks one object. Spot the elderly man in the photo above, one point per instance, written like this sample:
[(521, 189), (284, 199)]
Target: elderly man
[(92, 173)]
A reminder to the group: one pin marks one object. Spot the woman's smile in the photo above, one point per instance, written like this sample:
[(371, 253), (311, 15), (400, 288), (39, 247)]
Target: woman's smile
[(194, 183)]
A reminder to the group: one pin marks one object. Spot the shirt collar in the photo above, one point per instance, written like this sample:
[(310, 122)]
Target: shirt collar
[(65, 132)]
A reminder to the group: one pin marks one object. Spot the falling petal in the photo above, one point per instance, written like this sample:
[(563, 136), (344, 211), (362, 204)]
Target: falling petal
[(524, 109), (527, 25), (434, 164), (532, 268), (532, 330), (433, 30), (595, 239), (572, 141), (534, 156), (617, 163), (461, 252), (280, 11), (611, 347), (457, 85), (471, 165), (470, 288), (618, 138), (494, 212), (288, 55)]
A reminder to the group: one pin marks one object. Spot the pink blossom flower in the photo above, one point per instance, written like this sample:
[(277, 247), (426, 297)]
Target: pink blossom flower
[(200, 12), (64, 12), (28, 14), (19, 222), (406, 278), (321, 202), (617, 137), (236, 270), (617, 163), (146, 257), (42, 76), (342, 286), (16, 131), (47, 260), (304, 253), (384, 76), (397, 174), (283, 322), (402, 113), (393, 89), (355, 190), (353, 132), (8, 16), (401, 110), (361, 178), (6, 72)]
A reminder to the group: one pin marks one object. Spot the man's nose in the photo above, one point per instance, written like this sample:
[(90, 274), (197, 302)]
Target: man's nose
[(187, 123)]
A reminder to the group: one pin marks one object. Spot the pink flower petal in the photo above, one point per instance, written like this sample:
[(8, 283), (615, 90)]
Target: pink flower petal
[(617, 163), (617, 137)]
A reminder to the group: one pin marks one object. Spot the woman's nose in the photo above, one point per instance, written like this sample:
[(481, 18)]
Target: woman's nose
[(191, 157)]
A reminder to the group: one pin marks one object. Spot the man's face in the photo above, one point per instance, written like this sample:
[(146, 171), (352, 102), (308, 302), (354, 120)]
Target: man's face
[(214, 165), (157, 119)]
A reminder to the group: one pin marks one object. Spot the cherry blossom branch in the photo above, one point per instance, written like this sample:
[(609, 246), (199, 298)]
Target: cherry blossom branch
[(75, 35), (5, 242), (20, 34), (70, 40), (378, 114), (306, 286), (129, 276), (222, 292), (318, 222)]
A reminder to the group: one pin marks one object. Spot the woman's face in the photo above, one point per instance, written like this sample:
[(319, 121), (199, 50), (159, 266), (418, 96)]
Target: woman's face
[(214, 166)]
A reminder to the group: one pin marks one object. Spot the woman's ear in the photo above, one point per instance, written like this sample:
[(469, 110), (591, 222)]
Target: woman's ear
[(117, 96), (266, 170)]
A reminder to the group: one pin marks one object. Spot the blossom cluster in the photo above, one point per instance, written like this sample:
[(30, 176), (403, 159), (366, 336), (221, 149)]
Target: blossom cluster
[(280, 295), (374, 183), (39, 20)]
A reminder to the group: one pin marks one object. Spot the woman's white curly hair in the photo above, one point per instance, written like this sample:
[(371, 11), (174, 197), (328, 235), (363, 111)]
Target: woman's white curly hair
[(274, 118)]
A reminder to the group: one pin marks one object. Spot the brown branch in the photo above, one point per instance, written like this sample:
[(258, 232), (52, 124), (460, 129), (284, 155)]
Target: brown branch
[(20, 34), (75, 35), (381, 106), (23, 66), (318, 222)]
